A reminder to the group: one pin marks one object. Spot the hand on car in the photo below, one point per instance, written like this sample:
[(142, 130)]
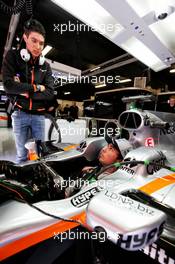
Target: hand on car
[(87, 169), (42, 88)]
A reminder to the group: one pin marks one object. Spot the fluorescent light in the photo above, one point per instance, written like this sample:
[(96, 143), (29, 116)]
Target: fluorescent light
[(165, 32), (46, 50), (93, 14), (94, 69), (1, 87), (65, 93), (172, 71), (100, 85), (125, 81), (143, 53), (63, 77), (141, 7)]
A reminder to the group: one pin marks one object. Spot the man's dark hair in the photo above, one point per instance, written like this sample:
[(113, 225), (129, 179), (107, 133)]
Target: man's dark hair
[(33, 25), (172, 97)]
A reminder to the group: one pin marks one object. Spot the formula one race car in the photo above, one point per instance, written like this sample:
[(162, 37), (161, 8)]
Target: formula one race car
[(133, 206)]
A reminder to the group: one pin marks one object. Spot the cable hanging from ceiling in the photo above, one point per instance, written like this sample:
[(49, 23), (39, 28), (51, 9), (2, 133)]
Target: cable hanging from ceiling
[(17, 7)]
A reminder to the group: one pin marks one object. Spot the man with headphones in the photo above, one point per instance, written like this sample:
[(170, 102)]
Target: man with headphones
[(28, 81)]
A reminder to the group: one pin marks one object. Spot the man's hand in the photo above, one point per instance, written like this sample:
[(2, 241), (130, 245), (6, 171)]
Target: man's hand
[(39, 88), (16, 78), (42, 88), (87, 169)]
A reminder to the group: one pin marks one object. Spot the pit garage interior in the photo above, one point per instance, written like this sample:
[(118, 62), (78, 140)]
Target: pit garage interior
[(100, 52)]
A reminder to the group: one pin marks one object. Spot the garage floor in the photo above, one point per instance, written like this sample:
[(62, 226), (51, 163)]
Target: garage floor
[(7, 144)]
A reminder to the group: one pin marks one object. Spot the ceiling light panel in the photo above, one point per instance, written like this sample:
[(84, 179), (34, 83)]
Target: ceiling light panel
[(165, 31), (141, 7), (125, 81), (93, 14), (172, 71), (121, 20), (143, 53), (46, 50), (100, 85), (136, 27)]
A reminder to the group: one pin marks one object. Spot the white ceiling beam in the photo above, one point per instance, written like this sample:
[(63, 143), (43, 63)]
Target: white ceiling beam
[(129, 19), (57, 66)]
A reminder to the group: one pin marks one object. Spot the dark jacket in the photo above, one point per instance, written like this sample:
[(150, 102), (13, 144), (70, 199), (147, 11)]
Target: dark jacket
[(30, 74)]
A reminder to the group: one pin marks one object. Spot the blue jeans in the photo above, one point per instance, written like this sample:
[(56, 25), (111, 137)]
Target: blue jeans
[(26, 126)]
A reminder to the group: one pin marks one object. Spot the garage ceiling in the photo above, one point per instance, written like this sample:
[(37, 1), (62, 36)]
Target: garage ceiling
[(87, 49)]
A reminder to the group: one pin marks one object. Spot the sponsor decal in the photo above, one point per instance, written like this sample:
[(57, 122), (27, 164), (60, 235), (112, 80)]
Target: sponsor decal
[(129, 203), (84, 198), (139, 240), (159, 254), (127, 169), (168, 131), (160, 161), (149, 142)]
